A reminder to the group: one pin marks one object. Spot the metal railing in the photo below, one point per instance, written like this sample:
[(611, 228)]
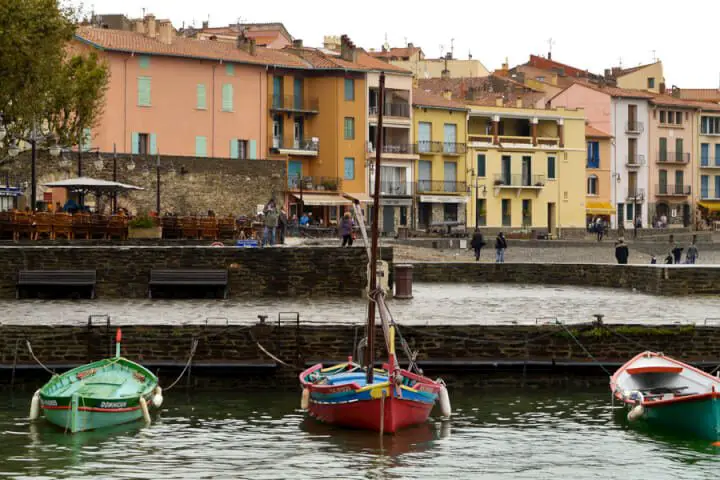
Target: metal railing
[(449, 148), (292, 103), (403, 148), (392, 188), (392, 110), (316, 184), (502, 180), (302, 144), (673, 157), (635, 160), (428, 186), (673, 190), (633, 126), (635, 193), (708, 162)]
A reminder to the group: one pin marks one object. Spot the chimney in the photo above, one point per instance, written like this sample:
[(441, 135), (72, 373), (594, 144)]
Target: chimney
[(348, 51), (331, 42), (205, 25), (662, 88), (498, 101), (518, 103), (675, 91), (246, 44), (150, 26), (410, 45), (297, 43), (549, 55), (139, 26), (166, 33), (608, 72), (447, 94)]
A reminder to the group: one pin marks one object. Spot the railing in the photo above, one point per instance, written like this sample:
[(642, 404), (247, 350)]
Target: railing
[(548, 141), (292, 103), (635, 161), (317, 184), (634, 126), (392, 188), (512, 181), (480, 138), (673, 190), (635, 193), (403, 149), (302, 144), (514, 140), (705, 162), (392, 110), (705, 194), (673, 157), (448, 148), (428, 186)]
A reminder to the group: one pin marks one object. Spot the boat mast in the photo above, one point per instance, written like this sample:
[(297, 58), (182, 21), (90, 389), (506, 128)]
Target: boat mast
[(370, 362)]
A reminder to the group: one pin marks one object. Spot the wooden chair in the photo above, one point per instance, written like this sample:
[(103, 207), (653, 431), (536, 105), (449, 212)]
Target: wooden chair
[(118, 227), (43, 223), (226, 227), (99, 226), (170, 227), (208, 228), (189, 226), (62, 226), (22, 225), (6, 230), (81, 224)]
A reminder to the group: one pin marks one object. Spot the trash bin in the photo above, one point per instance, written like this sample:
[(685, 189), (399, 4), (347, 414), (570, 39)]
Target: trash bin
[(403, 281)]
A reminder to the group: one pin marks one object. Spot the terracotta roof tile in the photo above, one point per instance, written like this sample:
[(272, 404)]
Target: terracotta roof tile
[(395, 52), (426, 98), (668, 100), (626, 71), (595, 133), (483, 90), (701, 94)]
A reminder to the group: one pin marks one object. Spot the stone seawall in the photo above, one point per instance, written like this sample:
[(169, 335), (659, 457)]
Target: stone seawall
[(455, 352), (653, 279), (124, 272)]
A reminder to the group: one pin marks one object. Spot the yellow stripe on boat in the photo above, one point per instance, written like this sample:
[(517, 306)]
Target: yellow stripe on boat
[(339, 366), (379, 386)]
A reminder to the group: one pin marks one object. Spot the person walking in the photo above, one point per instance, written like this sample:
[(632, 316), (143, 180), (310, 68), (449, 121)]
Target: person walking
[(677, 254), (282, 226), (477, 243), (692, 254), (600, 228), (621, 252), (500, 247), (346, 227), (271, 222)]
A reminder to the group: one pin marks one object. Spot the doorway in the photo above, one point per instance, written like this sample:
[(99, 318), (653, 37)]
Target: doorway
[(388, 220), (551, 219), (425, 215), (686, 215)]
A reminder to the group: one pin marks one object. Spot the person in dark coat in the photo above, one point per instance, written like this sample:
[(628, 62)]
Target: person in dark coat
[(500, 247), (346, 227), (621, 252), (677, 254), (282, 226), (477, 243)]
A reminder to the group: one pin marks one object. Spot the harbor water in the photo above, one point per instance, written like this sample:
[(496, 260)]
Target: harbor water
[(500, 434)]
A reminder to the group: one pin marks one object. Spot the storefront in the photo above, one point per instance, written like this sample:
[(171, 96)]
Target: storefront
[(435, 210), (9, 197), (709, 215), (595, 210), (326, 209)]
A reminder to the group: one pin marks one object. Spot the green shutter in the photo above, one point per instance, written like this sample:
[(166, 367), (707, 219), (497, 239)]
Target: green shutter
[(253, 149), (201, 146), (230, 69), (86, 139), (234, 150), (349, 89), (135, 143), (201, 97), (349, 128), (144, 61), (227, 97), (153, 144), (144, 91)]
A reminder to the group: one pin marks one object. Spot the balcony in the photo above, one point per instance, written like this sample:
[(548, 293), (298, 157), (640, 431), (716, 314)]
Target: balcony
[(392, 188), (664, 190), (480, 140), (635, 194), (291, 103), (297, 146), (314, 184), (439, 186), (426, 147), (674, 158), (518, 183), (634, 127), (705, 194), (634, 161), (707, 162), (397, 149), (396, 109)]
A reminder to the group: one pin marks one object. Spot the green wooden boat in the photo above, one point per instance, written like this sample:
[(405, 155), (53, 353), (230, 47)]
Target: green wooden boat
[(100, 394)]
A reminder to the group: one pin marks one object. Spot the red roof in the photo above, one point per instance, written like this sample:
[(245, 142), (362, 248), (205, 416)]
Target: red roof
[(593, 132), (547, 64), (701, 94), (425, 98), (396, 53), (668, 100)]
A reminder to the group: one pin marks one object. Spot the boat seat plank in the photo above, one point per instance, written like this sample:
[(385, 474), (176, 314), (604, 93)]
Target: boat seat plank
[(353, 377), (654, 369)]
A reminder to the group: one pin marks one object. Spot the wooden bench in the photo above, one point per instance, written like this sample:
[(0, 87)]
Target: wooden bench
[(189, 278), (57, 278)]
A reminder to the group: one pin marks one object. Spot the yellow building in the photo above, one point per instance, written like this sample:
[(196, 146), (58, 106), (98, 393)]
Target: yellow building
[(598, 201), (440, 126), (527, 169), (644, 77)]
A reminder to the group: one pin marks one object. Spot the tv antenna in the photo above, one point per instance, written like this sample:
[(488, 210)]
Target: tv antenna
[(551, 42), (654, 52)]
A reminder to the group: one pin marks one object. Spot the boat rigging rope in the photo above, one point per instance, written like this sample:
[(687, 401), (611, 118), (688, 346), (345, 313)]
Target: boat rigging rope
[(585, 349), (193, 348), (266, 352), (32, 354)]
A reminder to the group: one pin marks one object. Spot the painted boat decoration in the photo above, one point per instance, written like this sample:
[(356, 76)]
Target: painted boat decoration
[(360, 396), (100, 394), (667, 393)]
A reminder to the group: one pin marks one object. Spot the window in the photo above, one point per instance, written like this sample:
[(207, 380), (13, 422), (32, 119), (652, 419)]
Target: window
[(227, 97), (238, 148), (201, 146), (424, 137), (349, 90), (144, 91), (551, 167), (717, 154), (424, 176), (86, 140), (629, 210), (144, 62), (298, 91), (506, 213), (349, 168), (710, 126), (450, 138), (704, 154), (651, 82), (717, 186), (592, 185), (663, 116), (593, 154), (349, 128), (229, 69), (526, 213), (679, 157), (144, 143), (450, 177), (450, 212), (540, 79), (663, 154), (480, 212), (678, 118), (620, 212), (705, 186), (201, 97), (670, 117), (481, 169), (662, 179), (403, 216)]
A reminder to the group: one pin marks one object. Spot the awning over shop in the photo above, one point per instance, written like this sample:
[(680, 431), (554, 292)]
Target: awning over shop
[(10, 192), (711, 206), (599, 208), (360, 197), (442, 199), (317, 200)]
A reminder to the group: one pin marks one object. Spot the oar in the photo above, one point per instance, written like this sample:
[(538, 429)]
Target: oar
[(118, 339)]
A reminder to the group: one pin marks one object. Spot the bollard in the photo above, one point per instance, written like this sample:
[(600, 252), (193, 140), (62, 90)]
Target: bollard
[(403, 281)]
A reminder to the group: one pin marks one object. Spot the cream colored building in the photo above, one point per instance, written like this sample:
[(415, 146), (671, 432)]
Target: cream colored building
[(645, 77)]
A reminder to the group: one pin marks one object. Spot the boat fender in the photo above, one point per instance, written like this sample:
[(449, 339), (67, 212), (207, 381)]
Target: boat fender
[(145, 411), (445, 408), (35, 406), (305, 399), (636, 413), (157, 398)]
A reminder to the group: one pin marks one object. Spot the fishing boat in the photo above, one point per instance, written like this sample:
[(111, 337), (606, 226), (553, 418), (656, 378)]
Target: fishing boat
[(108, 392), (667, 393), (360, 396)]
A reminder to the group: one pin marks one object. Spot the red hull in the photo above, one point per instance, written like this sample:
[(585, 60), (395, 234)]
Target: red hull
[(365, 414)]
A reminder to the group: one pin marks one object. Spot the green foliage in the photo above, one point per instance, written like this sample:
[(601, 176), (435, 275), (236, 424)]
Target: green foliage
[(630, 330), (141, 222)]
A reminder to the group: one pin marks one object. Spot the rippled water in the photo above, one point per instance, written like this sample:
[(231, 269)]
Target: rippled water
[(432, 303), (515, 434)]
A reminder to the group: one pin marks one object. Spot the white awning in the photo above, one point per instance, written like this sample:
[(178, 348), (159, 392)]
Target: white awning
[(318, 200), (442, 199), (360, 197), (92, 184)]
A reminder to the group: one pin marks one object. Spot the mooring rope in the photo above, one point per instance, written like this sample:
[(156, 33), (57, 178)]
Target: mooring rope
[(585, 349), (193, 348), (32, 354), (266, 352)]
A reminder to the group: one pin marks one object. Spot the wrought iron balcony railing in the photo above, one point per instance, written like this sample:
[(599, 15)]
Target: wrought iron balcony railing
[(314, 184), (634, 126), (673, 190), (673, 157), (292, 103), (392, 110), (440, 186), (513, 181)]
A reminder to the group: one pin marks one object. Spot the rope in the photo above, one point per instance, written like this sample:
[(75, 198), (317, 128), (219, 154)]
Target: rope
[(266, 352), (585, 350), (193, 348), (32, 354)]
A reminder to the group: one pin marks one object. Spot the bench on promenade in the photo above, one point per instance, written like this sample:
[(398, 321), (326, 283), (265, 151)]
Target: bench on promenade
[(189, 278), (56, 279)]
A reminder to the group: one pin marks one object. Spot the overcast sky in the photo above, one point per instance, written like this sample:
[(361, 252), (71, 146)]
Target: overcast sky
[(587, 34)]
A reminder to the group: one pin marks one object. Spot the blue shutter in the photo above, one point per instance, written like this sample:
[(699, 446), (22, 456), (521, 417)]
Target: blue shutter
[(717, 154), (234, 148), (227, 97), (253, 149), (717, 186), (349, 168), (705, 154), (144, 91), (86, 142), (589, 154), (596, 154), (551, 167), (200, 146), (704, 186), (135, 143), (481, 169), (229, 69), (144, 62), (153, 144), (201, 97)]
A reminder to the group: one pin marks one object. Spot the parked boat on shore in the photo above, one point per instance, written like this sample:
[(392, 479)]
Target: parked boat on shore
[(670, 394)]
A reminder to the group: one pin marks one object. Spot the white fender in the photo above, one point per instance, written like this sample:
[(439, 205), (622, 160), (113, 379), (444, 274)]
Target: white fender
[(144, 408), (157, 398), (305, 399), (636, 413), (445, 429), (445, 408), (35, 406)]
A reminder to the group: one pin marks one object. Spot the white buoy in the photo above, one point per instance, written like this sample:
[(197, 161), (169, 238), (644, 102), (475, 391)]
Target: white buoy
[(145, 411), (157, 398), (305, 399), (35, 406), (636, 413), (445, 408)]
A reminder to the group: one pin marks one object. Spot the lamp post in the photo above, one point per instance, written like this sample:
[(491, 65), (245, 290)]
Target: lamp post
[(170, 169)]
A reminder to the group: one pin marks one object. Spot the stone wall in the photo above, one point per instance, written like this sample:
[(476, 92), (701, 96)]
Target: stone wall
[(226, 186), (653, 279)]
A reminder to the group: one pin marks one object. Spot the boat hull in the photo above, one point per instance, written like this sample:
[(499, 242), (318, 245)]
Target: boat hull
[(698, 417), (90, 420)]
